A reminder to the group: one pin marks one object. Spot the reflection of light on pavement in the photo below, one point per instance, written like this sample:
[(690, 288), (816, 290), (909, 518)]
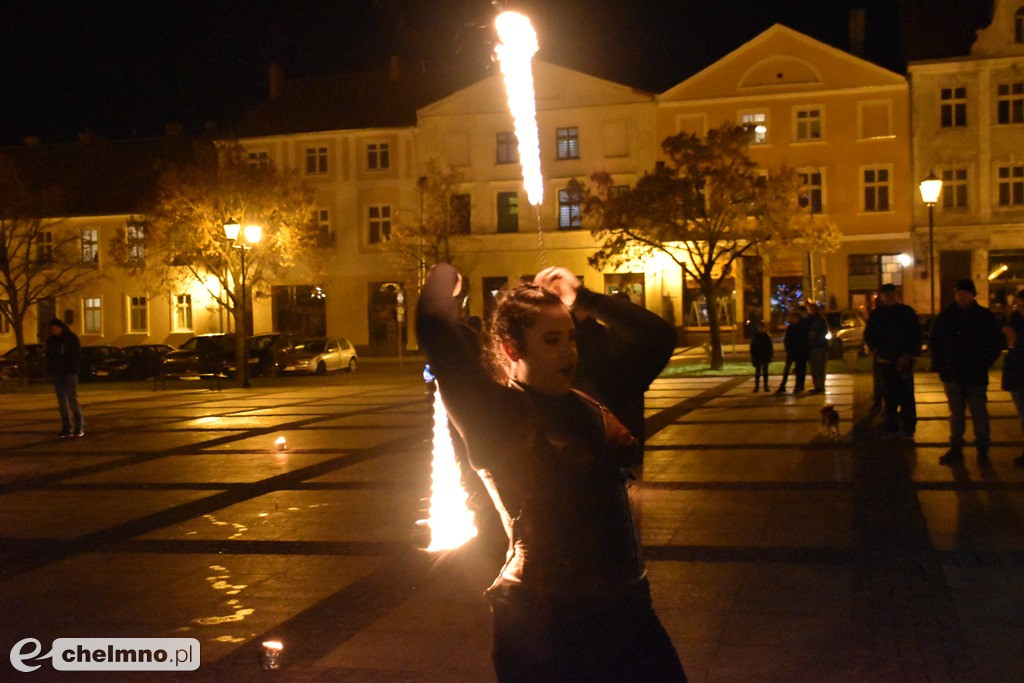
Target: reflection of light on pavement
[(449, 518), (220, 582)]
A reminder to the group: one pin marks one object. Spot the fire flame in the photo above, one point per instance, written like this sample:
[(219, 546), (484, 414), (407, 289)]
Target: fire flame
[(449, 518), (518, 44)]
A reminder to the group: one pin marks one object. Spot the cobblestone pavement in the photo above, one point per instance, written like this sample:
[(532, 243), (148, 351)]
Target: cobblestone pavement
[(774, 553)]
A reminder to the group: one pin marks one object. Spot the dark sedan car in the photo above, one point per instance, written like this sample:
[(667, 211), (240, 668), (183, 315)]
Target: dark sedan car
[(35, 355), (204, 354), (144, 359), (102, 362)]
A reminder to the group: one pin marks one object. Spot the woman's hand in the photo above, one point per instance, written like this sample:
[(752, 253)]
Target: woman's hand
[(561, 281)]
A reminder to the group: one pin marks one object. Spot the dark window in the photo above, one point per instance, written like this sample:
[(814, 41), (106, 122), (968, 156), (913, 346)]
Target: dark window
[(316, 160), (569, 210), (1010, 103), (507, 148), (461, 207), (1011, 185), (876, 189), (508, 211), (954, 188), (568, 143), (811, 191), (953, 107), (378, 156), (380, 223)]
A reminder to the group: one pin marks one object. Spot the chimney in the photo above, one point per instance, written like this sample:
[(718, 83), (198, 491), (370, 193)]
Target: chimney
[(858, 23), (394, 68), (275, 81)]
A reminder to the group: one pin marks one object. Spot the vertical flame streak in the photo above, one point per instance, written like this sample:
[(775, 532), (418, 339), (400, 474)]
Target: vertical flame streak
[(449, 518), (518, 44)]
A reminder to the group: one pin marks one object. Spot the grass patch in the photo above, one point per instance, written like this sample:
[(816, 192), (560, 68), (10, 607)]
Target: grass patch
[(850, 364)]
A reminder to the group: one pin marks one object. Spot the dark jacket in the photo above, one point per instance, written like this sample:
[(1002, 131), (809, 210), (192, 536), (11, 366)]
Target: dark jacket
[(1013, 364), (893, 332), (817, 332), (965, 343), (63, 352), (761, 348), (795, 340)]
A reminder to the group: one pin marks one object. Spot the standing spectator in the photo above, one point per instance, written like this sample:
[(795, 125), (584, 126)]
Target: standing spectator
[(63, 357), (817, 345), (795, 344), (894, 336), (964, 344), (1013, 365), (761, 352)]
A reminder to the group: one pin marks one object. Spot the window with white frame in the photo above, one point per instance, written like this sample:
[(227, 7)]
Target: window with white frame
[(321, 233), (135, 238), (507, 148), (182, 314), (90, 246), (316, 160), (757, 123), (378, 156), (138, 314), (569, 210), (808, 124), (875, 181), (508, 211), (43, 242), (567, 143), (380, 223), (953, 107), (92, 315), (259, 159), (1010, 102), (954, 188), (812, 190), (1010, 185)]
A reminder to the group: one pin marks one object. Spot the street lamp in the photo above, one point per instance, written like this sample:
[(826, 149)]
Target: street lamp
[(251, 235), (930, 189)]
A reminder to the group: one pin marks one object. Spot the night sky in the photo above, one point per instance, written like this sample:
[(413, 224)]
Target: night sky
[(127, 68)]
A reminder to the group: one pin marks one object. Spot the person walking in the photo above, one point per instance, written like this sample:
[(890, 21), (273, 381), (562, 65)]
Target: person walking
[(1013, 364), (761, 352), (817, 346), (63, 357), (795, 344), (894, 337), (964, 344)]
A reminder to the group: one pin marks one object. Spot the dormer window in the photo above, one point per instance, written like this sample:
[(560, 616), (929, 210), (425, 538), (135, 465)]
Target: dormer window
[(1018, 26)]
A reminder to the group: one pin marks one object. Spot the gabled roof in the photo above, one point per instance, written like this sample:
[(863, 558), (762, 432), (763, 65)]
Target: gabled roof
[(556, 87), (101, 178), (781, 60)]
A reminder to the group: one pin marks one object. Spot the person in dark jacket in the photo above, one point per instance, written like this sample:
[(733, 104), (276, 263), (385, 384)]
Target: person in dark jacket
[(1013, 364), (817, 346), (964, 344), (572, 601), (63, 358), (894, 336), (761, 352), (795, 344)]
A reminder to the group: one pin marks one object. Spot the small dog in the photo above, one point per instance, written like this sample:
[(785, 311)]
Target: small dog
[(829, 426)]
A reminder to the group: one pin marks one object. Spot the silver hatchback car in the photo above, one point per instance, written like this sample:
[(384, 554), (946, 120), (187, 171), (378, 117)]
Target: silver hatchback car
[(320, 355)]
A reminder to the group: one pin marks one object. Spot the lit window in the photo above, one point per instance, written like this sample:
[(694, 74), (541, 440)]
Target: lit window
[(568, 143), (757, 124), (954, 188), (316, 160), (508, 211), (92, 315), (808, 125), (378, 156), (380, 223), (138, 314), (1011, 185), (183, 313), (811, 190), (569, 210), (507, 148), (135, 237), (953, 107), (1010, 103), (876, 189), (90, 246)]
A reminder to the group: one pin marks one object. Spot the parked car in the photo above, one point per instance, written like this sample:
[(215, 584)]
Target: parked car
[(320, 354), (269, 350), (144, 359), (102, 361), (845, 332), (35, 356), (203, 354)]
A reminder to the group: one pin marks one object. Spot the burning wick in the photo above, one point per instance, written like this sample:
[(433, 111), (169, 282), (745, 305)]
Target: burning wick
[(272, 655), (280, 443), (449, 518)]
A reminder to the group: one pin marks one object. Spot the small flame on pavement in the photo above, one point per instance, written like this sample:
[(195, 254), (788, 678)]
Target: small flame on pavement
[(281, 444)]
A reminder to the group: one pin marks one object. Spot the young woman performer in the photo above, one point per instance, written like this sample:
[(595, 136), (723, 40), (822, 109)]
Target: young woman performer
[(572, 601)]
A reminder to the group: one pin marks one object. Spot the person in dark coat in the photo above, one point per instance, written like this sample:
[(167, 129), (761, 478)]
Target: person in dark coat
[(63, 358), (1013, 364), (817, 346), (795, 344), (894, 337), (761, 352), (964, 344)]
